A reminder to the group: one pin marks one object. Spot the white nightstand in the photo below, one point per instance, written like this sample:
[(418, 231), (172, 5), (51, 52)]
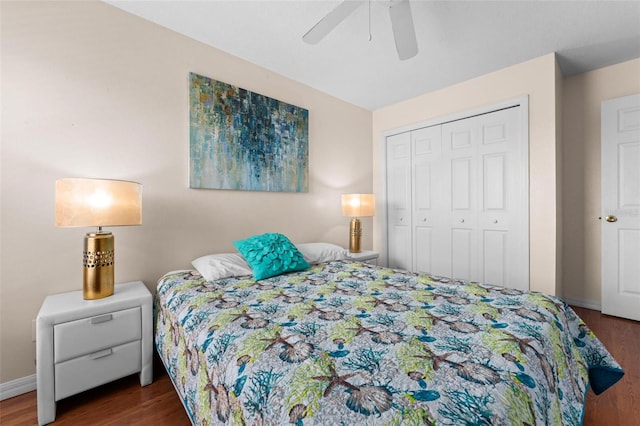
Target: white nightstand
[(81, 344), (367, 256)]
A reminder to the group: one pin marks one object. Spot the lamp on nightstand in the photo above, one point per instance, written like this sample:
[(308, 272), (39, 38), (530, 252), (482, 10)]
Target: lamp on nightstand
[(98, 202), (355, 206)]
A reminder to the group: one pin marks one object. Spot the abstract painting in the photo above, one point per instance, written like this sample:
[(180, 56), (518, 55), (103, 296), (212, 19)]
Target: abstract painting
[(241, 140)]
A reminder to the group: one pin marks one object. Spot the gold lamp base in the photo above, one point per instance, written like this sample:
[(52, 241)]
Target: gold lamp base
[(355, 232), (98, 262)]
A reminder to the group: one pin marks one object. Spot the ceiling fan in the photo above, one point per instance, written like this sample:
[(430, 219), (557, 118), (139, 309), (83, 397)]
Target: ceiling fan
[(401, 23)]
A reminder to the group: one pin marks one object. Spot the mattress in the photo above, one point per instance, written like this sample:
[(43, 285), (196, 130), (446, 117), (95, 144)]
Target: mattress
[(351, 343)]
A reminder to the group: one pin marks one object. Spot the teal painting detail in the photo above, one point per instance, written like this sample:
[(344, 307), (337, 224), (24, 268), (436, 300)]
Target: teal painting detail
[(241, 140)]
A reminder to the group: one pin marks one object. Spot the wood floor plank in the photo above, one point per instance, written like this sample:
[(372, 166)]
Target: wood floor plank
[(619, 405), (125, 402)]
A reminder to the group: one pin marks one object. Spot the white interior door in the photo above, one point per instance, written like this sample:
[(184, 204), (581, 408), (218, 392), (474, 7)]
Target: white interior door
[(620, 226)]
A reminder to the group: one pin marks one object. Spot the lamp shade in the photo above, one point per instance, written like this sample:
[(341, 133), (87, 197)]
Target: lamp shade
[(98, 202), (358, 205)]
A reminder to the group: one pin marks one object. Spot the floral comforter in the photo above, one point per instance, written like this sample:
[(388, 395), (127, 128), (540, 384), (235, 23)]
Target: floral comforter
[(351, 343)]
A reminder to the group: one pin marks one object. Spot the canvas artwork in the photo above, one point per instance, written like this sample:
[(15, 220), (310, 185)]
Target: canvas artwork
[(242, 140)]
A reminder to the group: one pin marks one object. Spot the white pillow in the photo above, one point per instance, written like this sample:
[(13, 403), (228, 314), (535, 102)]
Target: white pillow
[(222, 265), (321, 252)]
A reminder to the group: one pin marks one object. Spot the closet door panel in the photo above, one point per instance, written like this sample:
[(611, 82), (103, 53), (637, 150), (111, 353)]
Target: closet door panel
[(399, 253), (460, 135), (423, 253), (502, 198), (462, 256), (494, 190), (427, 211), (494, 221), (424, 191), (459, 154), (422, 218), (461, 172), (399, 201), (494, 253), (459, 161), (399, 180)]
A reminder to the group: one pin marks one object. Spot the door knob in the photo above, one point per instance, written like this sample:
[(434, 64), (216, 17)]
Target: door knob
[(611, 218)]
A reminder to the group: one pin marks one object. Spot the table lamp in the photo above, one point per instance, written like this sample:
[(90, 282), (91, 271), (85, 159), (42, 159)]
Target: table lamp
[(98, 202), (355, 206)]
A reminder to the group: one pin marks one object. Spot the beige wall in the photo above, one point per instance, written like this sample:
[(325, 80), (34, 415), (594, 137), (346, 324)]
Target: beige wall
[(583, 96), (91, 91), (559, 85), (536, 78)]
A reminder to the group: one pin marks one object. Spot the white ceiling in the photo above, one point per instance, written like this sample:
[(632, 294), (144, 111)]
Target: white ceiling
[(457, 40)]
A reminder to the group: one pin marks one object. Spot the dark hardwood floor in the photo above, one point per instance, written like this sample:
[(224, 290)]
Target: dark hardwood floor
[(619, 405), (124, 402)]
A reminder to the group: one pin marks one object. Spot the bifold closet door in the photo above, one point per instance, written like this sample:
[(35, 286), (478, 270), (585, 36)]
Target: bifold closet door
[(399, 201), (460, 194), (415, 215), (429, 213), (487, 233), (457, 199)]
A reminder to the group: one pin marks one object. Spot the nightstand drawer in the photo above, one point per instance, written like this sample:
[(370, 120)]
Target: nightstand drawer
[(95, 369), (92, 334)]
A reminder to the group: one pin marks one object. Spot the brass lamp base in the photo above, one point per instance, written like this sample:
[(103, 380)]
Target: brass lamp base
[(98, 262), (355, 232)]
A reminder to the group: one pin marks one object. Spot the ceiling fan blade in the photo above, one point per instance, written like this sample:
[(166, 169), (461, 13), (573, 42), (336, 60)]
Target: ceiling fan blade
[(330, 21), (403, 29)]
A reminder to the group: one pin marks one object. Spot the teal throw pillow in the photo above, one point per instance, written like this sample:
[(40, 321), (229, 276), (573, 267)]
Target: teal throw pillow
[(270, 254)]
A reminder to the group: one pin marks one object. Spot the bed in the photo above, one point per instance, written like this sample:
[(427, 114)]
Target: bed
[(346, 342)]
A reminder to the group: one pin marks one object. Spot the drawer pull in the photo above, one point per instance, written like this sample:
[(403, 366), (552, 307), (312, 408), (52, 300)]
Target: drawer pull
[(101, 318), (101, 354)]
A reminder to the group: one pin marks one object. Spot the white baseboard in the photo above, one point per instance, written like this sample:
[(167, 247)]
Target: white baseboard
[(583, 303), (17, 387)]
